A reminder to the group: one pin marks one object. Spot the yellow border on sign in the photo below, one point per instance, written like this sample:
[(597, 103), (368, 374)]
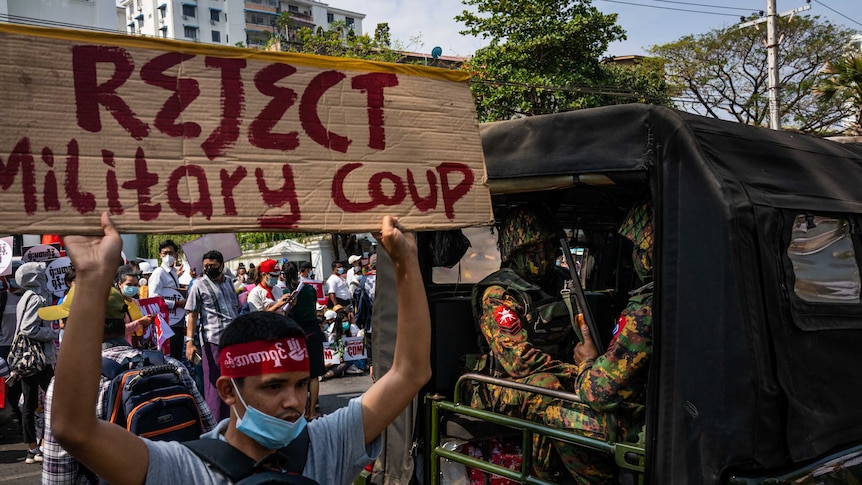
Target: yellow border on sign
[(230, 52)]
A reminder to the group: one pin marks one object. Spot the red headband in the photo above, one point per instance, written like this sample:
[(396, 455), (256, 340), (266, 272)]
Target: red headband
[(264, 357)]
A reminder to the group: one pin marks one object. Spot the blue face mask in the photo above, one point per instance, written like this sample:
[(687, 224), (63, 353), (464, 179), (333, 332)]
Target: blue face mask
[(340, 270), (130, 291), (270, 432)]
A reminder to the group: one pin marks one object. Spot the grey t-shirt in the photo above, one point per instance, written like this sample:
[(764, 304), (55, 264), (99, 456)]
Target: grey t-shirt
[(336, 455)]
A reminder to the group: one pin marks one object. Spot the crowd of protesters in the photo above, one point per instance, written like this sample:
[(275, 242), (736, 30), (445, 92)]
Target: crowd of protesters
[(197, 315)]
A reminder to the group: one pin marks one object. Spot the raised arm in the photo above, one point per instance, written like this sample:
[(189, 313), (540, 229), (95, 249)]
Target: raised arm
[(411, 364), (110, 451)]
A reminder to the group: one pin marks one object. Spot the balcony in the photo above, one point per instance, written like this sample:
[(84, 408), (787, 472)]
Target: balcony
[(302, 18)]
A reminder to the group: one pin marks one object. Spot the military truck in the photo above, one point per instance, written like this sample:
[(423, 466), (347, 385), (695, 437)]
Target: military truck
[(755, 370)]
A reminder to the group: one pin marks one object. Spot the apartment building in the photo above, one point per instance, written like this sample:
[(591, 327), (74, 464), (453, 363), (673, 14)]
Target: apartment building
[(71, 14), (261, 15), (229, 22)]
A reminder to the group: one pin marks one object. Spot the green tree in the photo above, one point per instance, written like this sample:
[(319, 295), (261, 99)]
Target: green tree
[(544, 56), (382, 35), (340, 41), (723, 73), (841, 82), (148, 244)]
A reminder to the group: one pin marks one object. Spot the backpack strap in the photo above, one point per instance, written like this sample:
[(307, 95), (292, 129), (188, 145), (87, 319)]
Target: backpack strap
[(111, 368), (235, 465), (153, 357), (222, 457)]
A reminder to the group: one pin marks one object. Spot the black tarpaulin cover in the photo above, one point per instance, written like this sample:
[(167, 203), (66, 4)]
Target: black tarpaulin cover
[(736, 382)]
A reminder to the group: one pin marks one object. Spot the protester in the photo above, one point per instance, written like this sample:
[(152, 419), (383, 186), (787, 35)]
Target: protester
[(58, 466), (137, 323), (212, 302), (303, 312), (354, 273), (270, 391), (267, 295), (31, 277), (336, 287), (164, 282)]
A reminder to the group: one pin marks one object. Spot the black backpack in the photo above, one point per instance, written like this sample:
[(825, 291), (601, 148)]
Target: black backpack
[(363, 305), (242, 470), (147, 397)]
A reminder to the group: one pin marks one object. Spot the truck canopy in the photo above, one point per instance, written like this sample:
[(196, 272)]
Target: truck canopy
[(757, 351), (745, 373)]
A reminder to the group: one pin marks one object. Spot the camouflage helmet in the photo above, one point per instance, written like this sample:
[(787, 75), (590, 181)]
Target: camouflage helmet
[(525, 226), (638, 228)]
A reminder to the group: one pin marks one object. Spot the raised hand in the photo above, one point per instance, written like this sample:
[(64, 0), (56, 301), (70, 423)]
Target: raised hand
[(96, 255)]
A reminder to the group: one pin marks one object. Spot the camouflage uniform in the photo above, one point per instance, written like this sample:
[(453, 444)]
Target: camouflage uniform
[(618, 376)]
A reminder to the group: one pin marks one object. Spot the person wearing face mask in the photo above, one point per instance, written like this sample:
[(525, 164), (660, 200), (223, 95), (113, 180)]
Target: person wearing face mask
[(137, 323), (603, 382), (267, 295), (265, 373), (212, 302), (60, 467), (32, 278), (337, 289), (164, 282)]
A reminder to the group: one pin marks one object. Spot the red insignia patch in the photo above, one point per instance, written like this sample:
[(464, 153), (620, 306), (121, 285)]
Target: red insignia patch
[(507, 320), (621, 323)]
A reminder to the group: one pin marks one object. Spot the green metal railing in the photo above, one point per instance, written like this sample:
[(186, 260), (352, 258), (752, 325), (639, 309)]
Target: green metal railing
[(439, 407)]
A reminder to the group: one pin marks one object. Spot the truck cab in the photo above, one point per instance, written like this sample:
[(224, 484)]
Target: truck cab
[(757, 316)]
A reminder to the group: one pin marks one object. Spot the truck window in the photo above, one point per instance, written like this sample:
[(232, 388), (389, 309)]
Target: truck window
[(482, 259), (824, 260)]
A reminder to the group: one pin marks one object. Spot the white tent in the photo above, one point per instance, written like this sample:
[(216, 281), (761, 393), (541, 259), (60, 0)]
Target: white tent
[(291, 250)]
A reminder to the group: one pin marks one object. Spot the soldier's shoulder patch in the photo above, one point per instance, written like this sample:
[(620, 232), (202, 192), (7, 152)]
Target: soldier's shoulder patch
[(507, 320)]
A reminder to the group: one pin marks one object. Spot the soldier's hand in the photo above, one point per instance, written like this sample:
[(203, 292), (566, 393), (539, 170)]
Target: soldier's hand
[(586, 349)]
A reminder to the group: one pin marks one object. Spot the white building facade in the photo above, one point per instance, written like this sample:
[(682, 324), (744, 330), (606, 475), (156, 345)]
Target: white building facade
[(228, 22), (71, 14)]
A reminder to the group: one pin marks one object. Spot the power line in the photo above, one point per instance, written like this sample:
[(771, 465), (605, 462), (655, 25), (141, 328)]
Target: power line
[(672, 8), (837, 12), (747, 9)]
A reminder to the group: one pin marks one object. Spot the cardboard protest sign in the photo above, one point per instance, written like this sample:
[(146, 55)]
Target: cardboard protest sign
[(56, 272), (322, 297), (195, 249), (330, 356), (171, 136), (354, 349)]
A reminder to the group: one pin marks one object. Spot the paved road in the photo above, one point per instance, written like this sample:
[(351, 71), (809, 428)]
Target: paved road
[(334, 394)]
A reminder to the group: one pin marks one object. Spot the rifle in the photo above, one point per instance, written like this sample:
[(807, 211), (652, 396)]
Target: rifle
[(574, 286)]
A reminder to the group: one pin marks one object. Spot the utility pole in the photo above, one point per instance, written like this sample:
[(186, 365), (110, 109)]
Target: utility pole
[(772, 56), (772, 60)]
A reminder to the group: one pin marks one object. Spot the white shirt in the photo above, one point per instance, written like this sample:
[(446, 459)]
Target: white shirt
[(338, 286), (258, 301), (353, 276), (164, 283)]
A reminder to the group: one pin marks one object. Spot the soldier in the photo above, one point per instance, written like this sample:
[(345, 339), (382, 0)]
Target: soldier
[(513, 308)]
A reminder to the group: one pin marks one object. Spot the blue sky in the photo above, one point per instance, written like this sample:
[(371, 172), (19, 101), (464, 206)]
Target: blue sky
[(645, 24)]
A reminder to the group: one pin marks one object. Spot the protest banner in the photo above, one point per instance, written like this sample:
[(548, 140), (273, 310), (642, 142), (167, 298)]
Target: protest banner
[(56, 273), (195, 249), (354, 348), (170, 136), (6, 256), (330, 356), (157, 306), (40, 252)]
